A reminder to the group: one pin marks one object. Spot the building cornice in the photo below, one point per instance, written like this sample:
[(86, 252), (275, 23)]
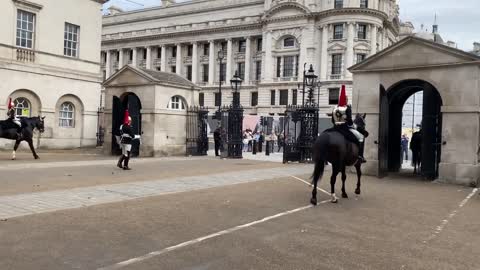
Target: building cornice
[(28, 4)]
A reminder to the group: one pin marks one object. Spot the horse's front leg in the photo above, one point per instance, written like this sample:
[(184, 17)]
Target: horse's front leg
[(358, 167), (14, 156), (30, 143), (344, 178), (333, 180)]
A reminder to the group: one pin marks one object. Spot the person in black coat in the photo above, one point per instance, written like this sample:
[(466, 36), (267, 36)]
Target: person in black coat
[(126, 137), (218, 141)]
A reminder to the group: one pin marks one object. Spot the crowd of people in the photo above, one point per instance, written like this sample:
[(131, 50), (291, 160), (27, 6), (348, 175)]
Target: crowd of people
[(256, 140)]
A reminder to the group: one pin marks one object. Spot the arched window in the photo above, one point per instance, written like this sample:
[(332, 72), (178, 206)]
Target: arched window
[(22, 107), (289, 42), (176, 103), (66, 117)]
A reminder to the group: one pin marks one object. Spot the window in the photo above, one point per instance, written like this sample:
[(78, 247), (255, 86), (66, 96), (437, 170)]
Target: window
[(144, 54), (296, 65), (362, 31), (206, 49), (189, 50), (338, 31), (283, 97), (338, 3), (294, 96), (258, 70), (205, 73), (241, 70), (189, 73), (254, 100), (130, 55), (159, 52), (364, 3), (289, 42), (201, 99), (223, 47), (66, 117), (22, 107), (158, 68), (279, 67), (174, 51), (173, 69), (25, 29), (242, 46), (361, 57), (333, 95), (176, 103), (288, 66), (218, 99), (223, 71), (71, 39), (336, 64), (259, 45), (117, 55), (272, 97)]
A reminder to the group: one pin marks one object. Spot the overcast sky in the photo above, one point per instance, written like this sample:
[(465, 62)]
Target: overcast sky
[(459, 21)]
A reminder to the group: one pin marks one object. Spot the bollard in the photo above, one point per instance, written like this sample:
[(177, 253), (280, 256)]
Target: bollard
[(267, 148), (254, 147)]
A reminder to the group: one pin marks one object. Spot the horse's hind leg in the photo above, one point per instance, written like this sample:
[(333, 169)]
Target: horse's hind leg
[(14, 156), (358, 167), (333, 180), (344, 178), (30, 143)]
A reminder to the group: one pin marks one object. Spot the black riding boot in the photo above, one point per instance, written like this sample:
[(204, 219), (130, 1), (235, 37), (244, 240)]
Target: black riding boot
[(127, 159), (360, 152), (119, 164)]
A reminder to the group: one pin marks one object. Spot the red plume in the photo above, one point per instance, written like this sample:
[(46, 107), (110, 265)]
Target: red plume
[(10, 103), (126, 116), (342, 101)]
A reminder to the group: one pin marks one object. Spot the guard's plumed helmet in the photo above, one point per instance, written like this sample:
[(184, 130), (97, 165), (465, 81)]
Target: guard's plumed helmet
[(342, 100), (10, 103), (127, 119)]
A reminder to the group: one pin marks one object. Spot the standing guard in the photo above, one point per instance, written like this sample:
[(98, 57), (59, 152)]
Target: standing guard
[(125, 141), (343, 122), (13, 117)]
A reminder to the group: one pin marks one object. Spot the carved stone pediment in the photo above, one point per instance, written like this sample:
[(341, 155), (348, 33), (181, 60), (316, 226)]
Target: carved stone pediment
[(286, 8), (337, 47)]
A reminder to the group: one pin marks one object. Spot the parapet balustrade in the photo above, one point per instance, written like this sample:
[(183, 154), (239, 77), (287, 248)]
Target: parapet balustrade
[(25, 55)]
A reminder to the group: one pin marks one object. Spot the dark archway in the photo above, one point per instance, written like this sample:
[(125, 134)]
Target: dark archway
[(391, 126), (131, 102)]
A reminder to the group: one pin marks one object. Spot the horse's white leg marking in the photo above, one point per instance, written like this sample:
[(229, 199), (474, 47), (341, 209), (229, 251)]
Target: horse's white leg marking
[(334, 197), (13, 155)]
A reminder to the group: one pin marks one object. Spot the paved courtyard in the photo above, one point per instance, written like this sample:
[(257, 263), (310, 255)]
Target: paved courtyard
[(81, 212)]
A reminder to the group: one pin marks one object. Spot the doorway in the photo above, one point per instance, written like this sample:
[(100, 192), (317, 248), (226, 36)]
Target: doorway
[(131, 102), (392, 102)]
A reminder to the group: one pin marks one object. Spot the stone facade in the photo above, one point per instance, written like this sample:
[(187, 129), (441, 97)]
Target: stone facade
[(164, 99), (52, 67), (267, 42), (454, 74)]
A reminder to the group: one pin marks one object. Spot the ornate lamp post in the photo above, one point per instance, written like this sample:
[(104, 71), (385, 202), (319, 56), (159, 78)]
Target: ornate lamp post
[(235, 120), (311, 81), (221, 56)]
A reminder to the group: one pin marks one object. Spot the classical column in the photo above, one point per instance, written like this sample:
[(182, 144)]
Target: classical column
[(248, 60), (195, 62), (373, 41), (324, 56), (108, 64), (229, 59), (134, 57), (268, 66), (349, 56), (121, 61), (149, 57), (179, 60), (211, 62), (163, 59)]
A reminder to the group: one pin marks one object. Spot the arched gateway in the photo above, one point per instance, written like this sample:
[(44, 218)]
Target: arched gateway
[(450, 81)]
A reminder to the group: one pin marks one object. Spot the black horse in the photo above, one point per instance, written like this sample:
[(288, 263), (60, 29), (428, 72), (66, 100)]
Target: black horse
[(8, 130), (332, 147)]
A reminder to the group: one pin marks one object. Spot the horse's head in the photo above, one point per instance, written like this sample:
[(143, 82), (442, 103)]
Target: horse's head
[(360, 121), (40, 123)]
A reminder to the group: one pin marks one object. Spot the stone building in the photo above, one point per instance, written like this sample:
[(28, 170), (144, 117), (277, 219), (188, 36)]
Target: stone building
[(267, 42), (50, 66)]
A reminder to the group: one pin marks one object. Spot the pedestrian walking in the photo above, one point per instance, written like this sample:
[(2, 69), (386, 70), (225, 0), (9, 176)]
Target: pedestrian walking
[(404, 147), (217, 140)]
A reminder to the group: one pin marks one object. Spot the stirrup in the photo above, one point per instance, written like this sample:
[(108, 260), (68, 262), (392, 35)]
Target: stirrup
[(362, 159)]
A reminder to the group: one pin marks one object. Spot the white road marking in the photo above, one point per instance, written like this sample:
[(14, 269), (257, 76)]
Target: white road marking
[(444, 222), (203, 238), (300, 179)]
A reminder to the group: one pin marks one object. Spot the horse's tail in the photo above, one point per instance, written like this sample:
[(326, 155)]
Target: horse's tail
[(320, 149)]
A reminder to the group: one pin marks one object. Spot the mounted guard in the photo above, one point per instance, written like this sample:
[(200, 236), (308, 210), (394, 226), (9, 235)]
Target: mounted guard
[(343, 123), (125, 141), (11, 116)]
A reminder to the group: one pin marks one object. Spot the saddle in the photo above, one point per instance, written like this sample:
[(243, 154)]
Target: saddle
[(345, 131), (8, 124)]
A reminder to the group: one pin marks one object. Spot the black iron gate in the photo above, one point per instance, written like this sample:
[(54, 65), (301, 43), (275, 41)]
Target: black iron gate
[(197, 128), (300, 132), (132, 103)]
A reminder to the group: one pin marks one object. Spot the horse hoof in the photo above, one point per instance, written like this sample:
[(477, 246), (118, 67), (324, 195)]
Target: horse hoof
[(334, 201), (37, 157), (313, 201), (357, 191), (344, 195)]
